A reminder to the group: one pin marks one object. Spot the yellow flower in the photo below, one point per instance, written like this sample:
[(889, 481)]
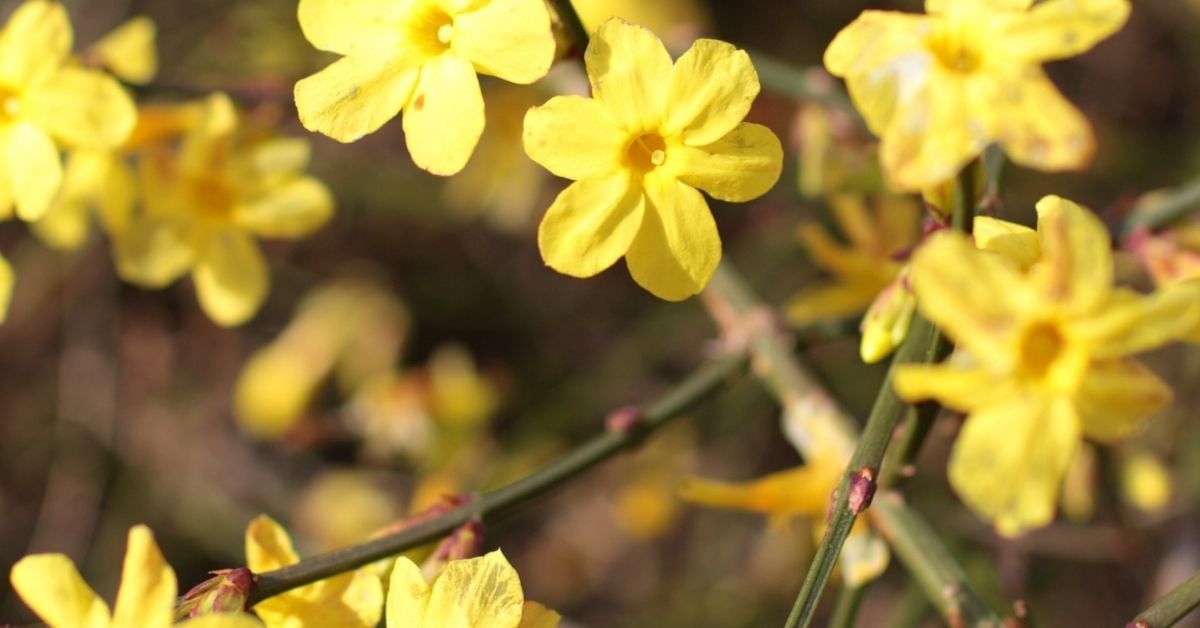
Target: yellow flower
[(939, 88), (1042, 355), (128, 51), (673, 20), (53, 588), (421, 57), (348, 600), (639, 149), (47, 102), (203, 205), (483, 592)]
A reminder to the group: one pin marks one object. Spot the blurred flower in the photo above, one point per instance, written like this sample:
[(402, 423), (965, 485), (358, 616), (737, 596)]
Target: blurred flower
[(48, 102), (1078, 499), (53, 588), (341, 508), (205, 202), (1041, 360), (885, 325), (1144, 481), (646, 501), (939, 88), (348, 325), (459, 396), (420, 57), (472, 593), (128, 51), (639, 149), (676, 22), (349, 599)]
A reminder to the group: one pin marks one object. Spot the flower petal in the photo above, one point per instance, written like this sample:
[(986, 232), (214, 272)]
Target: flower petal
[(151, 252), (741, 166), (712, 87), (221, 620), (864, 556), (629, 70), (147, 593), (1009, 460), (408, 594), (510, 39), (291, 210), (353, 27), (67, 223), (960, 6), (1039, 128), (355, 96), (534, 615), (1116, 398), (34, 43), (677, 248), (1057, 29), (822, 301), (82, 108), (33, 167), (1011, 241), (972, 295), (961, 388), (128, 50), (482, 592), (231, 277), (1130, 323), (7, 281), (872, 40), (444, 119), (52, 587), (574, 137), (268, 546), (591, 225), (799, 491), (1077, 265)]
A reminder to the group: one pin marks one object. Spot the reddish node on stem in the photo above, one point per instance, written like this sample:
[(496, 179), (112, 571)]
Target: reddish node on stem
[(862, 490)]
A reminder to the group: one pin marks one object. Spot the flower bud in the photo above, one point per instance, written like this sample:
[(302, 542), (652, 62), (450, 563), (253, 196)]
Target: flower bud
[(226, 592)]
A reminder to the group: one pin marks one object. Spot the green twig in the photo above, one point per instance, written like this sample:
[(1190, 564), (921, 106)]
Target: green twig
[(808, 84), (845, 608), (1170, 207), (917, 545), (620, 436), (1171, 607)]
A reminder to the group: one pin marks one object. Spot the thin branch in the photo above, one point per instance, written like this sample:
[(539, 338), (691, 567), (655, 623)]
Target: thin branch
[(1171, 206), (1171, 607), (626, 431)]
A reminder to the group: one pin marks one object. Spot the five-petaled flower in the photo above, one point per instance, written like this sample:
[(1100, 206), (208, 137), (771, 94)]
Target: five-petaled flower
[(939, 88), (1043, 339), (51, 586), (639, 148), (419, 56)]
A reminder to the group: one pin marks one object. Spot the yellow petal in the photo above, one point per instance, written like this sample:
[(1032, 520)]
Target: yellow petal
[(1039, 128), (66, 224), (279, 158), (33, 167), (629, 70), (408, 595), (350, 600), (741, 166), (34, 43), (1012, 241), (510, 39), (677, 248), (574, 137), (829, 300), (591, 225), (534, 615), (800, 491), (147, 593), (353, 27), (1010, 458), (7, 281), (1145, 482), (292, 210), (961, 388), (1130, 323), (355, 96), (973, 296), (273, 389), (444, 119), (51, 586), (482, 592), (152, 252), (961, 6), (224, 620), (268, 546), (1057, 29), (864, 556), (712, 87), (1077, 268), (82, 108), (231, 278), (1116, 398), (128, 50)]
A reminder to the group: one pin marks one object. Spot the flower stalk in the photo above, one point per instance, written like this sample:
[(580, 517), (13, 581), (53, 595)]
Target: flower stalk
[(1171, 607)]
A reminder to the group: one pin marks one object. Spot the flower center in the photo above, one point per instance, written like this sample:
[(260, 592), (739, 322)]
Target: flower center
[(431, 29), (1041, 348), (646, 152), (212, 196), (10, 104), (956, 45)]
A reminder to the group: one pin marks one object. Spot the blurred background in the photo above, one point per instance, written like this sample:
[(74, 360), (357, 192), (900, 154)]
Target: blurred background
[(416, 346)]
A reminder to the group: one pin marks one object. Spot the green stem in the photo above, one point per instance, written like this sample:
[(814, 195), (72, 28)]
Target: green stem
[(699, 385), (845, 609), (1171, 607), (1174, 205), (918, 546), (573, 26), (788, 80)]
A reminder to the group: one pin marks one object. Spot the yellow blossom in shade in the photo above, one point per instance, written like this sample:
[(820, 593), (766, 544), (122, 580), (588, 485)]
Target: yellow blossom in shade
[(46, 103), (348, 600), (1041, 360), (938, 88), (419, 56), (483, 592), (204, 204), (1145, 482), (128, 51), (640, 149), (51, 586)]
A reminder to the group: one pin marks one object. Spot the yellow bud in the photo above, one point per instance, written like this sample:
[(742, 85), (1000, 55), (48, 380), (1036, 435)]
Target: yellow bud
[(886, 323)]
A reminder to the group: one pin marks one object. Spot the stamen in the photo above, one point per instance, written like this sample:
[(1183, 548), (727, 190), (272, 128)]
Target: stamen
[(445, 33)]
